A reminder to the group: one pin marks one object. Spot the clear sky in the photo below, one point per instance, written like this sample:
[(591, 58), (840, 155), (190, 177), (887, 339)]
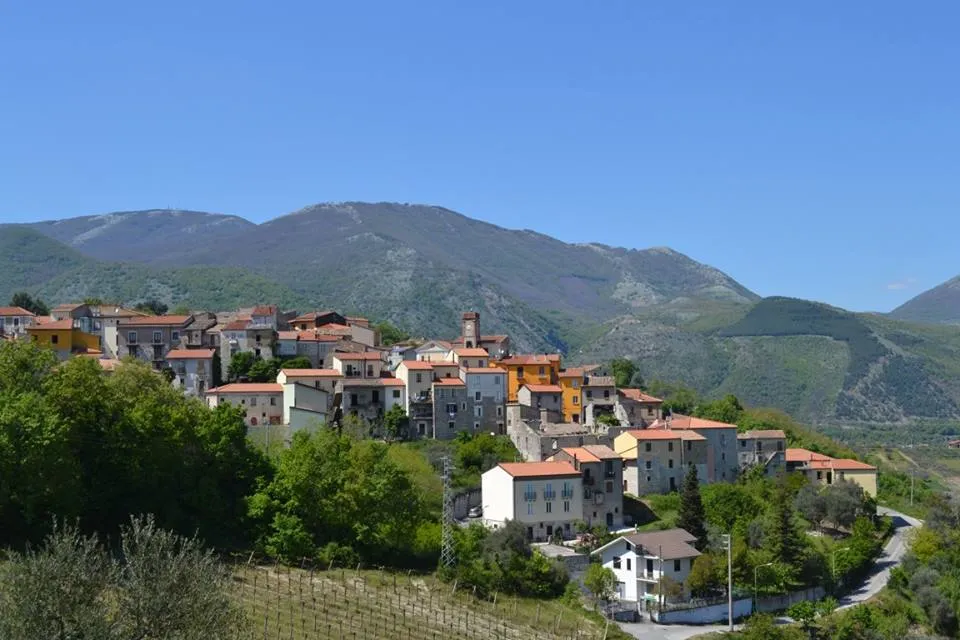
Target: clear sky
[(806, 148)]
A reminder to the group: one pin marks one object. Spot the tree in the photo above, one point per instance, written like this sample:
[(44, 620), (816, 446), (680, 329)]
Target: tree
[(784, 540), (299, 362), (691, 516), (395, 422), (843, 502), (264, 370), (162, 586), (707, 575), (180, 310), (601, 582), (811, 505), (608, 420), (728, 410), (623, 370), (390, 334), (25, 301), (240, 365), (805, 612), (151, 307), (93, 302)]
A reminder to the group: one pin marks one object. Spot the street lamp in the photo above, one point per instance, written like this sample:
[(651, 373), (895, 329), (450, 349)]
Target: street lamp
[(755, 569)]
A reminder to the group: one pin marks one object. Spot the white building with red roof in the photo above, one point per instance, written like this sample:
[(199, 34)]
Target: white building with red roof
[(545, 497), (824, 470), (193, 369), (15, 320)]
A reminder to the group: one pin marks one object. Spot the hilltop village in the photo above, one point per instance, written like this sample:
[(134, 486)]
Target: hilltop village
[(583, 442)]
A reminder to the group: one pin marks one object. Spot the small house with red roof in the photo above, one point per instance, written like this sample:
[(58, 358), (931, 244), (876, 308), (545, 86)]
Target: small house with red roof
[(602, 471), (15, 320), (824, 470), (656, 460)]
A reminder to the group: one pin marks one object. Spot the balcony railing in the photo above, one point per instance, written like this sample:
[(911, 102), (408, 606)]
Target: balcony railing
[(530, 496), (588, 481), (549, 495), (566, 494)]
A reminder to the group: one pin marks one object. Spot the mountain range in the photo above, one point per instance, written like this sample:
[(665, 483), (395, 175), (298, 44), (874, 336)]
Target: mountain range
[(421, 266)]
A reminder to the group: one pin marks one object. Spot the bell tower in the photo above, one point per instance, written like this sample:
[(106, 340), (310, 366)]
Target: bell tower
[(471, 329)]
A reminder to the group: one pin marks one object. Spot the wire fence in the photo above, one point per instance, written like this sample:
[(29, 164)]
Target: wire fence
[(286, 603)]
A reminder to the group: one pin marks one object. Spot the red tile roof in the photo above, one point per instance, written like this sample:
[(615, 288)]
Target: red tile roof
[(471, 353), (664, 434), (264, 310), (537, 358), (578, 372), (359, 355), (287, 335), (678, 421), (312, 373), (539, 469), (803, 455), (844, 464), (247, 387), (15, 311), (190, 354), (417, 365), (450, 382), (52, 325), (155, 321), (637, 395), (592, 453), (236, 325), (544, 388), (313, 336)]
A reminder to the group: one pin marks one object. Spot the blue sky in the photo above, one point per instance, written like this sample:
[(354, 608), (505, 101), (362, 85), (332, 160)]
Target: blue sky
[(808, 149)]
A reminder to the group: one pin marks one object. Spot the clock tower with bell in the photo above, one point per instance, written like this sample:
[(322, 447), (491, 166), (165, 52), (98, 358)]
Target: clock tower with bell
[(471, 329)]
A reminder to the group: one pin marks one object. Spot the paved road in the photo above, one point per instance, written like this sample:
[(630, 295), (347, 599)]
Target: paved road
[(890, 557)]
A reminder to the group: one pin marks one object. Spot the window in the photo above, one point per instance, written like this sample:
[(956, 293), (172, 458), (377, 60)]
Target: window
[(616, 562), (576, 400), (542, 371), (743, 444), (519, 372), (499, 412), (463, 406), (477, 396), (609, 487), (647, 446), (419, 377), (354, 400), (396, 394), (676, 565), (529, 508), (819, 475), (723, 456), (132, 337), (478, 411), (496, 380), (253, 402), (648, 478), (566, 506), (175, 336), (689, 445), (669, 446), (54, 339), (273, 402), (476, 426), (589, 394), (549, 507), (375, 396), (158, 336), (451, 425), (451, 407), (576, 384), (649, 464), (606, 393), (670, 463), (779, 446), (628, 564), (649, 411)]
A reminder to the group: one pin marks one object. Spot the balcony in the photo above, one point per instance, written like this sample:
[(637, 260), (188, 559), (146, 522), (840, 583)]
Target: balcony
[(566, 494), (530, 496), (352, 373), (549, 495), (588, 481)]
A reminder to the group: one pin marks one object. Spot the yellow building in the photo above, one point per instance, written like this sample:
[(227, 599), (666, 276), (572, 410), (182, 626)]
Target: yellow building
[(822, 469), (572, 381), (529, 369), (64, 338)]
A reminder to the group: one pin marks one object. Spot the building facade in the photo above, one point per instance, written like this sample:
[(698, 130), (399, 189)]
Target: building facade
[(601, 469), (544, 497)]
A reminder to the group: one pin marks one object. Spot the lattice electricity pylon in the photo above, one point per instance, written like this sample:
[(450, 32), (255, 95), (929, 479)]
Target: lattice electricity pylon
[(447, 555)]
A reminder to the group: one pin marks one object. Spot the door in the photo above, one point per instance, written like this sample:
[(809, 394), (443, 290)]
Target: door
[(549, 531), (529, 533), (609, 520), (673, 484)]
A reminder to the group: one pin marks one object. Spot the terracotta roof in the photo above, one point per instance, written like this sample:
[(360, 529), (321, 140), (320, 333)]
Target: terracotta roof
[(539, 469), (236, 325), (264, 310), (592, 453), (846, 464), (544, 388), (312, 373), (763, 434), (578, 372), (310, 316), (803, 455), (247, 387), (637, 395), (450, 382), (470, 315), (373, 382), (15, 311), (68, 306), (665, 434), (471, 353), (156, 321), (190, 354), (52, 325), (313, 336), (678, 421), (533, 359), (416, 365), (287, 335), (671, 544), (359, 355)]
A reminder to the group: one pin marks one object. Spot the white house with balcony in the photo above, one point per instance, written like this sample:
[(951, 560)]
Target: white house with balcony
[(14, 321), (193, 369), (363, 364), (648, 564), (544, 497)]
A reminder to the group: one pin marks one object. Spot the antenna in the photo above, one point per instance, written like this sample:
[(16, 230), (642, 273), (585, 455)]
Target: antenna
[(447, 557)]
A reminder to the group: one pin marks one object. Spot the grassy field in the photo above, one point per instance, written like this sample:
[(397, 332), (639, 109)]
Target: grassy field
[(338, 604)]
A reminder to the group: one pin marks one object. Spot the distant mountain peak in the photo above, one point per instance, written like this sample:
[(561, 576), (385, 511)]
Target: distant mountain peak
[(939, 305)]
